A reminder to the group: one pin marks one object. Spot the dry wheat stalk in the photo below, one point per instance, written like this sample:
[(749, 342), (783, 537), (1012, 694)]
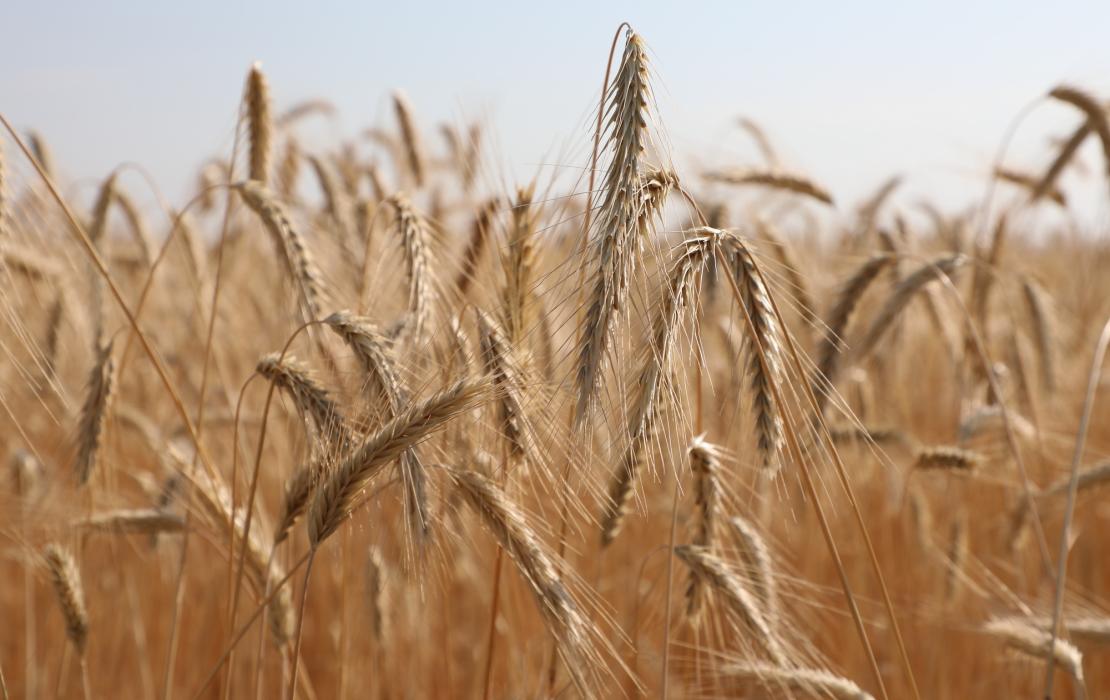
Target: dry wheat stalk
[(1031, 184), (811, 681), (947, 457), (410, 137), (629, 199), (310, 398), (705, 465), (510, 528), (765, 366), (517, 297), (741, 602), (1022, 635), (341, 492), (1047, 183), (290, 245), (66, 579), (142, 521), (957, 555), (1096, 114), (501, 363), (413, 233), (259, 124), (1043, 320), (137, 226), (373, 352), (1087, 479), (94, 412), (900, 297), (377, 593), (828, 355), (769, 178), (759, 567), (693, 256), (475, 245)]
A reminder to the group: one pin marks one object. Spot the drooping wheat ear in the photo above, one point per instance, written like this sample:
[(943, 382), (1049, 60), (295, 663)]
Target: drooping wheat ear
[(341, 492), (410, 137), (957, 555), (500, 361), (1094, 631), (42, 153), (705, 463), (806, 680), (295, 496), (413, 233), (761, 141), (289, 169), (1096, 115), (1031, 184), (475, 245), (694, 255), (140, 521), (1047, 183), (629, 200), (739, 600), (377, 593), (828, 355), (310, 398), (66, 579), (1039, 306), (901, 297), (789, 182), (372, 349), (1023, 635), (1089, 478), (137, 226), (948, 458), (765, 368), (373, 352), (94, 412), (511, 530), (517, 298), (759, 567), (259, 124), (289, 243), (799, 288)]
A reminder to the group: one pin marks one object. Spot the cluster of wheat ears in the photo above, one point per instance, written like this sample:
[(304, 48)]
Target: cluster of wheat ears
[(660, 434)]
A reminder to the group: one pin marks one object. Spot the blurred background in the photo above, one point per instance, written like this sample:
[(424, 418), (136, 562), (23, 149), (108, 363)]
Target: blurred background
[(850, 93)]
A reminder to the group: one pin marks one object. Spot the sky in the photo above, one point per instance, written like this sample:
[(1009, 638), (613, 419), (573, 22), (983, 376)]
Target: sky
[(850, 92)]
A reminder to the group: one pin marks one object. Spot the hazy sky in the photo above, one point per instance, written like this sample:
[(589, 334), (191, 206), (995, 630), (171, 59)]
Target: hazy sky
[(850, 91)]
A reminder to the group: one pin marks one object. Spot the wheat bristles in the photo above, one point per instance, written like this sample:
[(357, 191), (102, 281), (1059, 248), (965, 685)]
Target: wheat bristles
[(808, 680)]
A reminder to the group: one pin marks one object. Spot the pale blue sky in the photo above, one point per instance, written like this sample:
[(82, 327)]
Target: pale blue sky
[(850, 91)]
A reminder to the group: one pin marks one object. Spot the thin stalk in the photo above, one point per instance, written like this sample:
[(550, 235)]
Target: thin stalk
[(1073, 486)]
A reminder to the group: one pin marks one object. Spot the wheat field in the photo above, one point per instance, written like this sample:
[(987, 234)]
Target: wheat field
[(354, 424)]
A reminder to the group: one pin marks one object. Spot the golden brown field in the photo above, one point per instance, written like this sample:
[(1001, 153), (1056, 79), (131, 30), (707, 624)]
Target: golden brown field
[(350, 424)]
